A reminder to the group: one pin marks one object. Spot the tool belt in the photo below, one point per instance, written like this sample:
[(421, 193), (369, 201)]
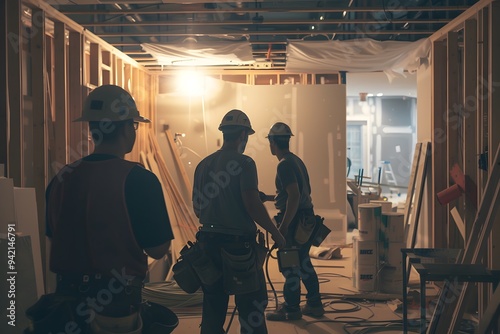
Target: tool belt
[(235, 259), (302, 227)]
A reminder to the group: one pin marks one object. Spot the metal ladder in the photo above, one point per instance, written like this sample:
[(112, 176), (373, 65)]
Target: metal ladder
[(388, 175)]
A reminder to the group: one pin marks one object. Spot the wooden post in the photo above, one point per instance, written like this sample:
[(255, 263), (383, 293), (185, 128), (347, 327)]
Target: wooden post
[(3, 85), (61, 123), (95, 64), (470, 103), (38, 88), (453, 120), (75, 80), (439, 147), (15, 41), (493, 122), (482, 135)]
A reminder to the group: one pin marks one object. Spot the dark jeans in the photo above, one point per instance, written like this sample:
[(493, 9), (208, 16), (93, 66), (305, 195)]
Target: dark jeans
[(250, 306), (306, 273)]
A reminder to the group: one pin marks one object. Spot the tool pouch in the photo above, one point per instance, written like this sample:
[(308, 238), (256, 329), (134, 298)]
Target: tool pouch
[(240, 271), (320, 231), (203, 265), (304, 229)]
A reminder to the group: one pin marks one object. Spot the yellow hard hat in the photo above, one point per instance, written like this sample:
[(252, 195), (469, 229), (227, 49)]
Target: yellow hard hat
[(110, 103), (236, 118), (279, 129)]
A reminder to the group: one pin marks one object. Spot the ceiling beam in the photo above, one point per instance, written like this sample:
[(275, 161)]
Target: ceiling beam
[(265, 33), (182, 10), (263, 23)]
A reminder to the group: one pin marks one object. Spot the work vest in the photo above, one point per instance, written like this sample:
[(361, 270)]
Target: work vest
[(88, 216)]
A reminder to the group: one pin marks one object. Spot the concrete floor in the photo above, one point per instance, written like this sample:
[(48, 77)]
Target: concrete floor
[(347, 310)]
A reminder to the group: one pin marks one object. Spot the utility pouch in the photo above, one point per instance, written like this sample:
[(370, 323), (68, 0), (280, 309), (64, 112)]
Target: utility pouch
[(203, 265), (185, 276), (304, 229), (240, 271), (288, 258), (320, 231)]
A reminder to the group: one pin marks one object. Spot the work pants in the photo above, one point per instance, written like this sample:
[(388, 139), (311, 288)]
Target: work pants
[(250, 306), (306, 272)]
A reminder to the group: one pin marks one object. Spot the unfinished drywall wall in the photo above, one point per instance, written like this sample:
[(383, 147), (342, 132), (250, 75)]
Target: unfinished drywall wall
[(316, 115)]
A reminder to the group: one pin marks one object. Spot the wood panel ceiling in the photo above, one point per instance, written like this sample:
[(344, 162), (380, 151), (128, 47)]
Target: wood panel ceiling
[(266, 25)]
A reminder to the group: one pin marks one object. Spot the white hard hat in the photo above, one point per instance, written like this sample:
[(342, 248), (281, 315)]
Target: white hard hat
[(236, 118), (110, 103), (279, 129)]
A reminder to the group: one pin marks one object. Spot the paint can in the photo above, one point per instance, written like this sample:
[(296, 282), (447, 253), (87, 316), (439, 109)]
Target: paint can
[(364, 252), (390, 280), (369, 217), (386, 205), (392, 227), (365, 277)]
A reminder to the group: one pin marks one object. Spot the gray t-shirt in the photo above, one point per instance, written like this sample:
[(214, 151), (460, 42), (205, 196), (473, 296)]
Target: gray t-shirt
[(219, 180)]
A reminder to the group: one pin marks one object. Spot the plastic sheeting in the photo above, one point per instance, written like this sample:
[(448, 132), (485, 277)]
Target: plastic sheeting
[(200, 54), (360, 55)]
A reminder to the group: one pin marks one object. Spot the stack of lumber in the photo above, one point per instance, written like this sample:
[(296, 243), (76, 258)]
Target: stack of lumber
[(182, 218)]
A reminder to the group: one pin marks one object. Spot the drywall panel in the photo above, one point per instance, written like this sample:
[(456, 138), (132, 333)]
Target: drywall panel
[(7, 210), (315, 113), (16, 281), (27, 224)]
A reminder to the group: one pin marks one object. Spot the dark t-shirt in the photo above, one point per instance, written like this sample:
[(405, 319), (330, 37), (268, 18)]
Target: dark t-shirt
[(145, 204), (291, 169)]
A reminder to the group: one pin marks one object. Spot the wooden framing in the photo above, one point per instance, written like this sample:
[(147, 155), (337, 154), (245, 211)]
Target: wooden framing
[(43, 90), (3, 87), (14, 90), (470, 103), (439, 147), (474, 92), (494, 113), (38, 88), (453, 124), (60, 99), (75, 84)]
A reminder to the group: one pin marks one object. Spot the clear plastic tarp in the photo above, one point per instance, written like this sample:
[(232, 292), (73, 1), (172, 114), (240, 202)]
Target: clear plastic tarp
[(201, 54), (360, 55)]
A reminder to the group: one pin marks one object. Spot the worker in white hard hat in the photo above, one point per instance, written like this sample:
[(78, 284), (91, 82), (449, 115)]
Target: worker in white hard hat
[(295, 207), (226, 201), (104, 217)]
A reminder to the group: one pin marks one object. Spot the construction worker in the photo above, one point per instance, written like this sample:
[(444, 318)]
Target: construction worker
[(226, 201), (294, 204), (105, 215)]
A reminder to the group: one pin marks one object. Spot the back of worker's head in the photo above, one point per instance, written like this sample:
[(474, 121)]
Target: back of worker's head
[(109, 109), (280, 134), (233, 123)]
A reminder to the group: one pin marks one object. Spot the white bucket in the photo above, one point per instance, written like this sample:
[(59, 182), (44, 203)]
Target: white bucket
[(386, 205), (365, 278), (392, 226), (390, 253), (369, 217), (391, 280), (364, 252)]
